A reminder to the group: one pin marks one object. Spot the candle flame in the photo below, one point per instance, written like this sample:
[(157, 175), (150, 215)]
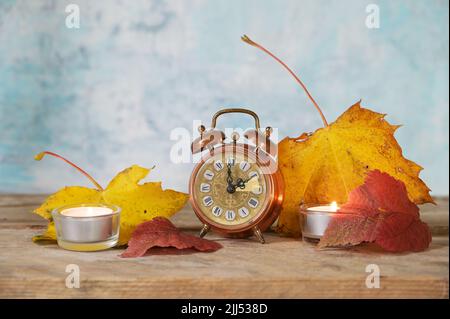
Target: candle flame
[(334, 206)]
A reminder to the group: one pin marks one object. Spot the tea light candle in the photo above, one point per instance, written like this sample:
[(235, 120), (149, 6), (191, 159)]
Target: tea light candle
[(86, 211), (332, 208), (314, 220), (87, 227)]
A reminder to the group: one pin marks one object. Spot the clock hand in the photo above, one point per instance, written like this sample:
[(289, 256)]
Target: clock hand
[(230, 187), (241, 183), (249, 178)]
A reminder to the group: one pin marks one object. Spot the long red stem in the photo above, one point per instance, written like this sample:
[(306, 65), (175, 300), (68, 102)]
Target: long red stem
[(39, 156), (247, 40)]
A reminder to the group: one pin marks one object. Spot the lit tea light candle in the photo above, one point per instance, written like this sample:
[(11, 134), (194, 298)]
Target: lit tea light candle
[(314, 220), (87, 211), (87, 227), (332, 208)]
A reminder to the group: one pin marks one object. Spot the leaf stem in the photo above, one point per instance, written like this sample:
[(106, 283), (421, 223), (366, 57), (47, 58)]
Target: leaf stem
[(247, 40), (39, 156)]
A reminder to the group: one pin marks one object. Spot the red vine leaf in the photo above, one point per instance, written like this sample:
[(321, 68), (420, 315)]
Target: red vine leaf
[(403, 233), (160, 232), (378, 211)]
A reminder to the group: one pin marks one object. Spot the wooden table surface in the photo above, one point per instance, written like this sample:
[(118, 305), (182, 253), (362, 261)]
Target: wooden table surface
[(282, 268)]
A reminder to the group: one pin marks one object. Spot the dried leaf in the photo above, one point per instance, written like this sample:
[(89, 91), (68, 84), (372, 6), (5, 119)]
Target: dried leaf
[(378, 211), (160, 232), (334, 160), (139, 203), (48, 236)]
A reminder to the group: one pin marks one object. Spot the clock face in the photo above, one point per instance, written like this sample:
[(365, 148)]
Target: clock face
[(231, 190)]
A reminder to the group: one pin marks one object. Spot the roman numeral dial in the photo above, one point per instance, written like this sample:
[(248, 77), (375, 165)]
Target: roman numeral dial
[(231, 189)]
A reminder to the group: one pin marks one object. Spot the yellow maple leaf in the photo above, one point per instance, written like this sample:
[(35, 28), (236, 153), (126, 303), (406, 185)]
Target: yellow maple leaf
[(327, 165), (48, 236), (139, 202)]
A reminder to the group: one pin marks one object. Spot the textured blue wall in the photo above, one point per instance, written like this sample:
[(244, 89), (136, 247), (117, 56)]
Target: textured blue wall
[(108, 94)]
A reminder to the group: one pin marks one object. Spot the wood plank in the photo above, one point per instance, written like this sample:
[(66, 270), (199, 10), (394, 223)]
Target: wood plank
[(17, 209), (283, 268)]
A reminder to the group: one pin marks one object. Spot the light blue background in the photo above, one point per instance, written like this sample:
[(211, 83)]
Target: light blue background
[(108, 94)]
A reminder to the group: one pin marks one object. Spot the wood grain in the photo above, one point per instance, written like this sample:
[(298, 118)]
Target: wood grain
[(283, 268)]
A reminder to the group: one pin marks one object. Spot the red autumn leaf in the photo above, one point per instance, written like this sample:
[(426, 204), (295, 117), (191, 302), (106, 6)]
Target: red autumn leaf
[(415, 234), (160, 232), (378, 211)]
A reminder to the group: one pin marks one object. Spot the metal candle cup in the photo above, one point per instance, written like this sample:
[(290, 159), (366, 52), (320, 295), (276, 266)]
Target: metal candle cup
[(314, 220), (87, 227)]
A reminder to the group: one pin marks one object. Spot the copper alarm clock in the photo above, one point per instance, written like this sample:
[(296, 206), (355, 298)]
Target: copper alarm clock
[(236, 189)]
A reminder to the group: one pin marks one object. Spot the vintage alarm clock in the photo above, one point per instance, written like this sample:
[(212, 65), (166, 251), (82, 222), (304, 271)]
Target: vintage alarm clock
[(236, 189)]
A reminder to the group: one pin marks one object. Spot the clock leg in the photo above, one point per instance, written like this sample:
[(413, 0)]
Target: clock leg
[(259, 234), (204, 230)]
